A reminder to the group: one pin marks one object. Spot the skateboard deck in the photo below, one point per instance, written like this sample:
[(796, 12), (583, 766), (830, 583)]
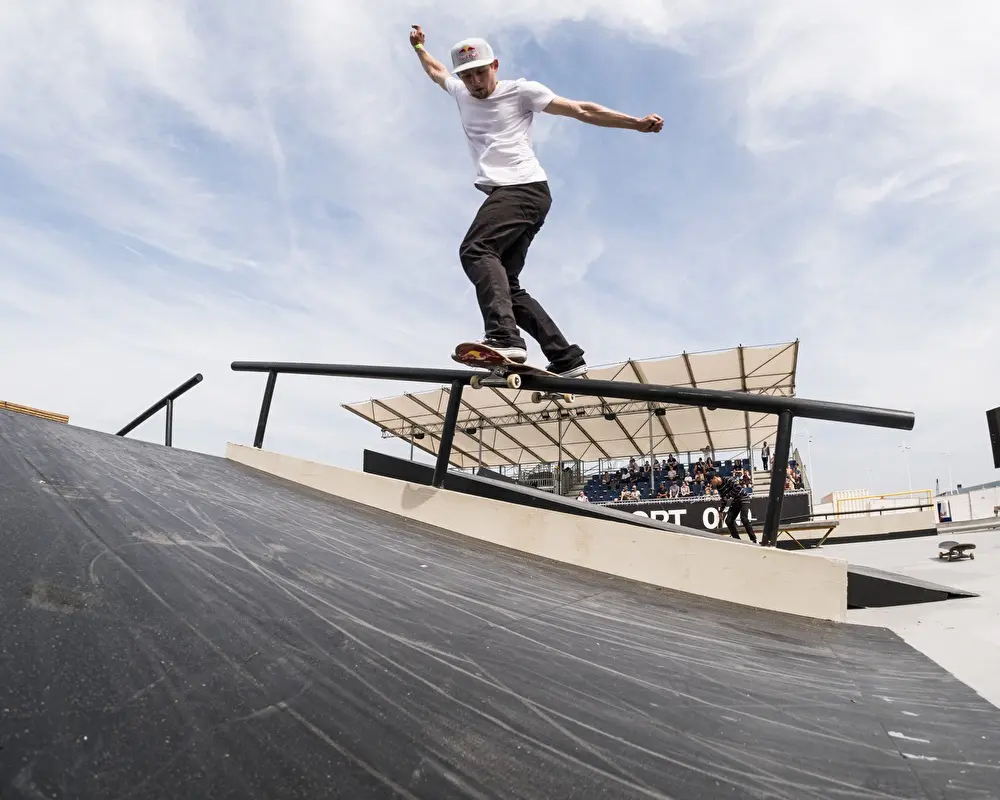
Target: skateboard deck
[(952, 550), (503, 371)]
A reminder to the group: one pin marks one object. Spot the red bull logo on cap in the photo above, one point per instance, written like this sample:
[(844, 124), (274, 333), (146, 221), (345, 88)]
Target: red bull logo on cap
[(466, 54)]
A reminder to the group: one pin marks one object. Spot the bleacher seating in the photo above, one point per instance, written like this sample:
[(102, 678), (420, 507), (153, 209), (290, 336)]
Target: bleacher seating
[(597, 492)]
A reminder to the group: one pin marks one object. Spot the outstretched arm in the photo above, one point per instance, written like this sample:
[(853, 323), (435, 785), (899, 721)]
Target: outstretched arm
[(594, 114), (435, 70)]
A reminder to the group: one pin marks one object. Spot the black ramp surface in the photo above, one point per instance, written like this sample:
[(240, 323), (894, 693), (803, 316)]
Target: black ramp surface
[(177, 626)]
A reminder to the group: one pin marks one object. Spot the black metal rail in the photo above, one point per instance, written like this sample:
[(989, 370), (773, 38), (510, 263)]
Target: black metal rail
[(786, 408), (165, 401)]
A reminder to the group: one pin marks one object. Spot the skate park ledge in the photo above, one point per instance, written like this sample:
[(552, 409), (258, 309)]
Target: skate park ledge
[(737, 572)]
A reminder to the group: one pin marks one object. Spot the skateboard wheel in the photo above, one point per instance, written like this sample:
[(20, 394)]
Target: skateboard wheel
[(569, 398), (475, 383), (514, 381), (536, 397), (972, 555)]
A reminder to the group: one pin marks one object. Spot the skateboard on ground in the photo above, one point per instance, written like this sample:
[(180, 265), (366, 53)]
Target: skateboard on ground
[(953, 550), (503, 371)]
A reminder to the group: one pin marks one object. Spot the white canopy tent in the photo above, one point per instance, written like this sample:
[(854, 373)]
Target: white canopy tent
[(500, 427)]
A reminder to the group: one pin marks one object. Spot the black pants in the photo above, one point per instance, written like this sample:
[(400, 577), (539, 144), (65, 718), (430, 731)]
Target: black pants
[(493, 254), (741, 507)]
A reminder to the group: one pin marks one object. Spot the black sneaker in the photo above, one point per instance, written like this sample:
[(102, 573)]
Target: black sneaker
[(568, 369), (513, 352)]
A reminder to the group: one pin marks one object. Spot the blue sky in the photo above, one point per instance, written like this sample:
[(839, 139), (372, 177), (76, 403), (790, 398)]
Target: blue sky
[(185, 188)]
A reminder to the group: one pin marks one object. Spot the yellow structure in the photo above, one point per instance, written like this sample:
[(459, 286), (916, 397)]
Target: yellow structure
[(34, 412)]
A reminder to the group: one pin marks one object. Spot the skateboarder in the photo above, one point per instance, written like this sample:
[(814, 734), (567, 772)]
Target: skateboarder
[(739, 503), (497, 116)]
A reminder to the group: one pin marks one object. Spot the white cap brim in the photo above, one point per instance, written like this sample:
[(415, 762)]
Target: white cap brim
[(483, 62)]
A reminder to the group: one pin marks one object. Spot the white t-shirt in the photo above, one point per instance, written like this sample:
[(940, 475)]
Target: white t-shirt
[(499, 129)]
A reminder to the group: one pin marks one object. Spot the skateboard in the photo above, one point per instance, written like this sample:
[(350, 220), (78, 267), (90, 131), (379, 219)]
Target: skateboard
[(503, 371), (953, 550)]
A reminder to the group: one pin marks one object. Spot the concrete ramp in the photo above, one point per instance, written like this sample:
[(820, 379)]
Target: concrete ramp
[(178, 625), (865, 587)]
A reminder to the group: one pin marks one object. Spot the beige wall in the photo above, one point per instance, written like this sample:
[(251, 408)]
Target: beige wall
[(886, 523), (719, 568)]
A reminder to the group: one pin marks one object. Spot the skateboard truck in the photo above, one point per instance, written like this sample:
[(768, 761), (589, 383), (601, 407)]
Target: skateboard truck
[(499, 376), (496, 378)]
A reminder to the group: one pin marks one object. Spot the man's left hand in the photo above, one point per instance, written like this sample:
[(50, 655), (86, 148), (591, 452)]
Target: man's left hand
[(651, 124)]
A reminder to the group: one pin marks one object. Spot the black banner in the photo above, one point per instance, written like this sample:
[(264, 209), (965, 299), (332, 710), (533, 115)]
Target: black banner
[(703, 513)]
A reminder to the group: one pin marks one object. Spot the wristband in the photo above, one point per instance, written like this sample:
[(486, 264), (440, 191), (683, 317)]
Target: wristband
[(418, 46)]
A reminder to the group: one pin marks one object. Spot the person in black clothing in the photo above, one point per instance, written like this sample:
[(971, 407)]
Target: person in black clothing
[(739, 503)]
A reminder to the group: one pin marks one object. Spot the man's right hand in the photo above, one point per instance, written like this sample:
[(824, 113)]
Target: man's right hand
[(416, 36)]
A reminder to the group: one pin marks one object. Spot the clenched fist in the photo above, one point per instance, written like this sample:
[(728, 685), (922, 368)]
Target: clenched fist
[(651, 124)]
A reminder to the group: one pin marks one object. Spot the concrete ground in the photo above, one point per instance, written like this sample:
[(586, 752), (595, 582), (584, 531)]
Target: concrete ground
[(962, 635)]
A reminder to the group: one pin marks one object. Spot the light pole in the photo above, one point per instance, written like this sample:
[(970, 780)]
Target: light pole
[(906, 448)]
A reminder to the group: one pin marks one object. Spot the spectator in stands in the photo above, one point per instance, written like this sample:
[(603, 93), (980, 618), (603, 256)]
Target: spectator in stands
[(662, 492), (672, 474), (793, 478), (765, 455), (632, 494), (582, 497), (671, 461), (675, 490), (731, 492), (699, 483), (685, 489)]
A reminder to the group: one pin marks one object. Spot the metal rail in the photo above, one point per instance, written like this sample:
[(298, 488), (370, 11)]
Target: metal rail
[(858, 512), (165, 401), (786, 408)]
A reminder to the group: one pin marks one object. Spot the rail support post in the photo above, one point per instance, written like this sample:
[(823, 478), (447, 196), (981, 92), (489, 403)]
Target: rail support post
[(265, 409), (168, 437), (776, 493), (448, 434)]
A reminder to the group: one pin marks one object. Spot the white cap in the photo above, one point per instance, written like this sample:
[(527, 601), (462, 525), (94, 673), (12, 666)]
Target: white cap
[(470, 54)]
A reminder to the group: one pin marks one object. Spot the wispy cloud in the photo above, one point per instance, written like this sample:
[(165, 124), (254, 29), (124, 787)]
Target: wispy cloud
[(192, 184)]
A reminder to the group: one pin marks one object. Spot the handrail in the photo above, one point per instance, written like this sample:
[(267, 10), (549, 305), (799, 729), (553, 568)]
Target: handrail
[(168, 401), (858, 512), (786, 408), (682, 395)]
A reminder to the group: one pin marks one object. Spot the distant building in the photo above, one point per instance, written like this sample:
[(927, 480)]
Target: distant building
[(969, 502)]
